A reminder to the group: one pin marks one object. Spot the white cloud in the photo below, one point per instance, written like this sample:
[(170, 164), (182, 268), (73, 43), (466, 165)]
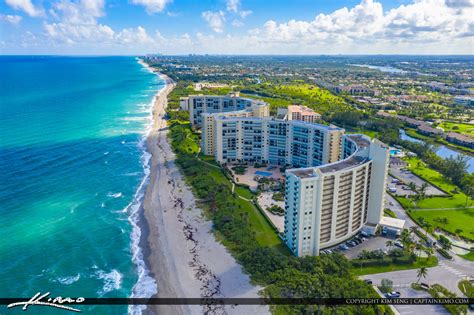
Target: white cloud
[(233, 5), (215, 20), (25, 6), (244, 14), (237, 23), (366, 23), (423, 26), (78, 22), (132, 36), (153, 6), (12, 19)]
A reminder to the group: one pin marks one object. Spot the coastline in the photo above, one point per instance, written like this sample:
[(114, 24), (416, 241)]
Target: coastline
[(181, 251)]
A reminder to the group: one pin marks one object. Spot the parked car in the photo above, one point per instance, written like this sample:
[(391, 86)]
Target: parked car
[(363, 233), (392, 189), (395, 180), (329, 251), (343, 247), (399, 244), (393, 294), (368, 281)]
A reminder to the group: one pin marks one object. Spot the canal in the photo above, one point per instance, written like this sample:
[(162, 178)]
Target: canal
[(442, 150)]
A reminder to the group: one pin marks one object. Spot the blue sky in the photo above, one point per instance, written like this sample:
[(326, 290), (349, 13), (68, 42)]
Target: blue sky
[(237, 26)]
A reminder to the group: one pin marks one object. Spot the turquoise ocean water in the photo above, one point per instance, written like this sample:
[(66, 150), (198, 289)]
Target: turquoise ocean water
[(72, 165)]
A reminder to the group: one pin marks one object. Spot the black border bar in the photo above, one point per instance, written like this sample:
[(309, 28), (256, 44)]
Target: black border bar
[(259, 301)]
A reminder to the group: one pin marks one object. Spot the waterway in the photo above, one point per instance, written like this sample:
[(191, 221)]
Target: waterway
[(381, 68), (442, 150)]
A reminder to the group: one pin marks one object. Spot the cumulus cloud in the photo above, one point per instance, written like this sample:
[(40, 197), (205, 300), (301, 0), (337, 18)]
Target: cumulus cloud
[(78, 22), (153, 6), (12, 19), (25, 6), (233, 5), (134, 36), (215, 20), (423, 26), (423, 20), (237, 23)]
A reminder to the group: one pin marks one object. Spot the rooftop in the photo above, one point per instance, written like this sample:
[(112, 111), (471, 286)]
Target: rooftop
[(344, 164), (460, 137), (361, 141)]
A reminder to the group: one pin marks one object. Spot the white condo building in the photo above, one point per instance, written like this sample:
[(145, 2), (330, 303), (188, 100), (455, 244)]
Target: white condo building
[(337, 182), (328, 204), (199, 104)]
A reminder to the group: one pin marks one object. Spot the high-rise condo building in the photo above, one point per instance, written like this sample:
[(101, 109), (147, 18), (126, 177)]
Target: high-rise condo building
[(199, 104), (328, 204), (336, 183)]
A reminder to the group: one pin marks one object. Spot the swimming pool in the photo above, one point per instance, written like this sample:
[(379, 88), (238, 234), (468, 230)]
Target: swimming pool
[(394, 152), (266, 174)]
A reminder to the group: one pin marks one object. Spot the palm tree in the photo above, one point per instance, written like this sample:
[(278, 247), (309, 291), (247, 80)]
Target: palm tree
[(429, 252), (412, 186), (427, 228), (418, 248), (405, 237), (422, 191), (413, 229), (422, 273), (389, 244)]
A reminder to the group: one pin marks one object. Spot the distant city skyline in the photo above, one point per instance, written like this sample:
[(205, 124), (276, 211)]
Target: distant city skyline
[(129, 27)]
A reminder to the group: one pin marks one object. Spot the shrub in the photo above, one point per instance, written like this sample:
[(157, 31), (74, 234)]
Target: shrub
[(386, 285), (277, 210), (444, 253)]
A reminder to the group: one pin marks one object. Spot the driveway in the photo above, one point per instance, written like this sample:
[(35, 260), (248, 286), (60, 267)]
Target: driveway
[(443, 274), (418, 309)]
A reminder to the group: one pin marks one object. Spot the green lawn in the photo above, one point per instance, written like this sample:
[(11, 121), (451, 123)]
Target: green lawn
[(244, 192), (467, 288), (419, 168), (464, 128), (469, 256), (462, 219), (421, 262)]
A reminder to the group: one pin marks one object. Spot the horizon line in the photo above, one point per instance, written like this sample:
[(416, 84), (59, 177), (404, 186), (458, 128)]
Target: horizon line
[(235, 55)]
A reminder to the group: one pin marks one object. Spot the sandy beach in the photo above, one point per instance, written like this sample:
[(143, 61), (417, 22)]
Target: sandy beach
[(181, 251)]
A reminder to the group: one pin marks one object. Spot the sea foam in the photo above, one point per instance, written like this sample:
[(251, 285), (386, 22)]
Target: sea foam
[(146, 285)]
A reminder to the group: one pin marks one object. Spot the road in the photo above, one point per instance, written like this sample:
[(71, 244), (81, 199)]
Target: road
[(448, 273)]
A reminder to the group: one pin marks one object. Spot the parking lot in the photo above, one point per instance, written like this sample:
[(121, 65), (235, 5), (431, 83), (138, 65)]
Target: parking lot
[(406, 177), (371, 243)]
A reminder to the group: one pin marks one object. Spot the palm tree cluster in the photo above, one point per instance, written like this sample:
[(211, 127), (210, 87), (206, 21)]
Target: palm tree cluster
[(418, 193)]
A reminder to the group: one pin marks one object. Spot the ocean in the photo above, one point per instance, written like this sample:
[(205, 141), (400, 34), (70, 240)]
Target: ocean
[(73, 167)]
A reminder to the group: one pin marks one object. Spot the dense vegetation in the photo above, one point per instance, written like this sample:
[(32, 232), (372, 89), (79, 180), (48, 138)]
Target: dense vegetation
[(266, 260)]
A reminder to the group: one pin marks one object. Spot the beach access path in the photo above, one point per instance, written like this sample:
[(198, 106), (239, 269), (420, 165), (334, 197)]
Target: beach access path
[(183, 255)]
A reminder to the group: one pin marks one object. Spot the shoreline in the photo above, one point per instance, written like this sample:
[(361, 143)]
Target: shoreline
[(180, 249)]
